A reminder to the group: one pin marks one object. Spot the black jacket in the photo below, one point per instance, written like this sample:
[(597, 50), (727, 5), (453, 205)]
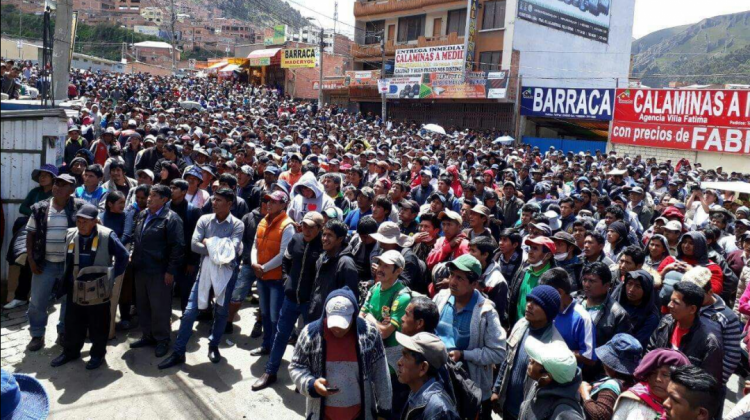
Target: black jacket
[(553, 402), (612, 319), (251, 221), (160, 247), (701, 345), (299, 267), (189, 215), (332, 273), (149, 159), (40, 212)]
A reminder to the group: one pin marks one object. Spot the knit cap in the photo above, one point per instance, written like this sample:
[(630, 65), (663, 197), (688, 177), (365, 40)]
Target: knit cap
[(547, 298)]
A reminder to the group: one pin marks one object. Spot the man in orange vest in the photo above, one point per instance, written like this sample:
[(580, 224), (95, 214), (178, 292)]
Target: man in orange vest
[(275, 231)]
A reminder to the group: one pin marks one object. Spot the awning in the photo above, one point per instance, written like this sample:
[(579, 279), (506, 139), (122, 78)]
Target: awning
[(230, 68), (736, 186), (264, 53), (218, 65)]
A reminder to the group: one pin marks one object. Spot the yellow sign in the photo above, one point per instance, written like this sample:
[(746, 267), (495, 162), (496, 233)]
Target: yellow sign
[(237, 60), (295, 58)]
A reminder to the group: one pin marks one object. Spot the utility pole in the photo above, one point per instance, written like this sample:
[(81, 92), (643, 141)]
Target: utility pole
[(61, 49), (320, 81), (382, 76), (174, 37)]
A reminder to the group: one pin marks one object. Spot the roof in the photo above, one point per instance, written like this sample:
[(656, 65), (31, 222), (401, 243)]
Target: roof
[(264, 53), (229, 68), (153, 44), (218, 65)]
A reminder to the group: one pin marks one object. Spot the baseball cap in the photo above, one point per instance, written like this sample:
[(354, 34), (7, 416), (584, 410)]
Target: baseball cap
[(392, 257), (66, 178), (409, 204), (481, 209), (313, 218), (543, 241), (339, 312), (88, 211), (452, 215), (428, 345), (673, 225), (556, 358), (278, 196), (148, 172), (468, 263), (272, 170)]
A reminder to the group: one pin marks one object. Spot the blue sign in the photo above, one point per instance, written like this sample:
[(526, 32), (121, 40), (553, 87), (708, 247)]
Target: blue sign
[(572, 103)]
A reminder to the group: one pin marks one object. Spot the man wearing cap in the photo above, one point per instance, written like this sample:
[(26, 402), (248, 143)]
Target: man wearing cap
[(339, 363), (264, 186), (298, 267), (479, 219), (384, 306), (539, 259), (452, 245), (213, 232), (408, 211), (130, 152), (73, 144), (673, 233), (640, 207), (422, 357), (274, 233), (88, 244), (469, 325), (365, 197), (567, 256), (152, 154), (389, 237), (158, 252), (45, 247), (508, 392), (556, 379), (510, 204)]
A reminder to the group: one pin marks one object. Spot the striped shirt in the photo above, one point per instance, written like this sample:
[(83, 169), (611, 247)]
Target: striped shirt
[(57, 226), (731, 334)]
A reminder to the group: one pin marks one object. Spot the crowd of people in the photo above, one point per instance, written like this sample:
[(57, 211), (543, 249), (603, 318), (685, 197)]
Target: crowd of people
[(418, 275)]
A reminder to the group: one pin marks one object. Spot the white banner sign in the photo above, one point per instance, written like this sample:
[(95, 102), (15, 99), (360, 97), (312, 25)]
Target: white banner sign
[(404, 87), (446, 58)]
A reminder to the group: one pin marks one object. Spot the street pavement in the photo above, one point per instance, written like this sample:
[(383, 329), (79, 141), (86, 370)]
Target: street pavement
[(131, 387)]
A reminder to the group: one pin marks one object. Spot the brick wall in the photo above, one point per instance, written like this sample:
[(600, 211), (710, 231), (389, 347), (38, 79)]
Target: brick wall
[(300, 81)]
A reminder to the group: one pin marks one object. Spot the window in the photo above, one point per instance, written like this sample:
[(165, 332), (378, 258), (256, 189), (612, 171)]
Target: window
[(457, 21), (490, 60), (373, 31), (410, 28), (494, 15)]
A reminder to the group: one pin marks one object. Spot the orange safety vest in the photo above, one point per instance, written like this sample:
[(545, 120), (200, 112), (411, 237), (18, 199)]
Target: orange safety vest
[(268, 242)]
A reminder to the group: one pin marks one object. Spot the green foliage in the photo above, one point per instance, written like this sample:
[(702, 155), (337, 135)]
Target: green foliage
[(263, 13), (199, 54), (103, 41), (696, 54)]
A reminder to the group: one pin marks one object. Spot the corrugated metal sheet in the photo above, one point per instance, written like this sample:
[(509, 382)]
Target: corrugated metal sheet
[(29, 138), (574, 146)]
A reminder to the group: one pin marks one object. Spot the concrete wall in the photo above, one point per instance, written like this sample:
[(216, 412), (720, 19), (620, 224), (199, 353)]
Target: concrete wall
[(567, 60), (300, 81), (707, 160)]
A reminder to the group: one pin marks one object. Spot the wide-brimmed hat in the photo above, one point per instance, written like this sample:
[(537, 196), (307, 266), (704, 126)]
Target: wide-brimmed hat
[(50, 169), (622, 353), (22, 397), (389, 233), (568, 239)]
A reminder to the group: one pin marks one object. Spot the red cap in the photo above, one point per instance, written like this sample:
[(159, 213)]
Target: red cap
[(543, 241)]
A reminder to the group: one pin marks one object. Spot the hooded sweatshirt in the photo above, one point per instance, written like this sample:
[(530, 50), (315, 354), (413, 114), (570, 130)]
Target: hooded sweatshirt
[(700, 257), (309, 363), (645, 316), (456, 184), (613, 251), (301, 205)]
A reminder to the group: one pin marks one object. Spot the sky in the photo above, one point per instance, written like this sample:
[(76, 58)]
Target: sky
[(650, 15)]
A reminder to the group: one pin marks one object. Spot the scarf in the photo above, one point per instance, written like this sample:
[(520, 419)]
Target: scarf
[(643, 391)]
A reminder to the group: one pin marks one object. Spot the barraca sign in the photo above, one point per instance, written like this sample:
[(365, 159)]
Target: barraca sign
[(295, 58)]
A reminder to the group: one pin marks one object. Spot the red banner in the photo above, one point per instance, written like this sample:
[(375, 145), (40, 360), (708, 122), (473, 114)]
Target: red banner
[(698, 120)]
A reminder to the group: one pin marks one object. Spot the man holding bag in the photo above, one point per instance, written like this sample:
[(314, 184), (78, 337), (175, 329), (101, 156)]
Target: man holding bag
[(88, 283)]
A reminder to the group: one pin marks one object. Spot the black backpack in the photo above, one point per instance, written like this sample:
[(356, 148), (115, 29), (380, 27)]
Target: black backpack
[(466, 393)]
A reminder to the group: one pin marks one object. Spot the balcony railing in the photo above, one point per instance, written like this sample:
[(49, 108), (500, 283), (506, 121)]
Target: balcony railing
[(367, 8), (373, 50)]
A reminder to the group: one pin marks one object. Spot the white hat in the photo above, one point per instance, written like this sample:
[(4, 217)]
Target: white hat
[(339, 312), (392, 257)]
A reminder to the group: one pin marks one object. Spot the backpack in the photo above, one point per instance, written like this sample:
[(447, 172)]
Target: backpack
[(467, 395)]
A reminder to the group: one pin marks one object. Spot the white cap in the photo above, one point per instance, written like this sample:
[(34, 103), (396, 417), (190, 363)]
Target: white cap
[(339, 312)]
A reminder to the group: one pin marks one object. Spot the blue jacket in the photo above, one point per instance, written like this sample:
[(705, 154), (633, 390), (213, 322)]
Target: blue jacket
[(430, 402)]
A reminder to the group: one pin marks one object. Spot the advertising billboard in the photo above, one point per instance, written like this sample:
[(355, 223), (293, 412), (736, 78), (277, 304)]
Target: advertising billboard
[(497, 84), (586, 18), (296, 58), (690, 119), (363, 78), (275, 35), (459, 85), (574, 103), (404, 87), (446, 58)]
